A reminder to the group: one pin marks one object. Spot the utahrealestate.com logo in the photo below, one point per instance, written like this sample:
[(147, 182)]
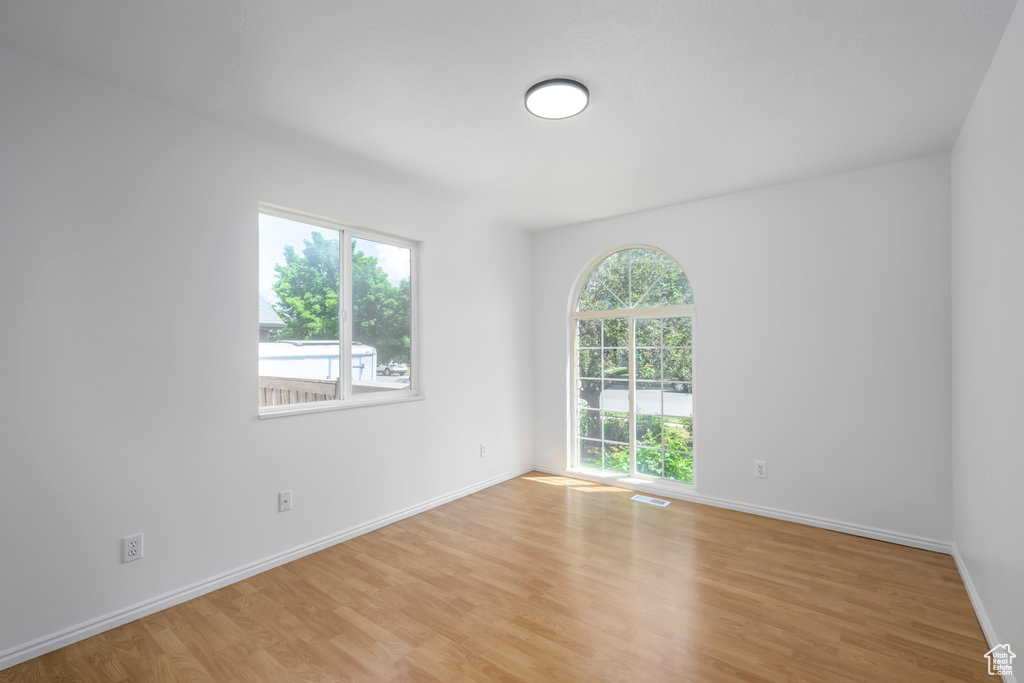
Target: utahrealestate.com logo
[(1000, 660)]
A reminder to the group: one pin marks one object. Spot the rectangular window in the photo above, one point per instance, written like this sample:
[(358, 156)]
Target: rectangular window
[(336, 315), (634, 394)]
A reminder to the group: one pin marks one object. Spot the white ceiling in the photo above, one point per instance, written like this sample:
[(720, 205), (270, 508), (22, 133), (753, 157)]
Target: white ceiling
[(689, 98)]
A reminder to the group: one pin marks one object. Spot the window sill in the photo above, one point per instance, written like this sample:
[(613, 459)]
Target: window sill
[(327, 406), (631, 481)]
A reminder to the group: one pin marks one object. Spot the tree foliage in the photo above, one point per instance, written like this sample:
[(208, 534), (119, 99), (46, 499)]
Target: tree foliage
[(381, 311), (308, 287)]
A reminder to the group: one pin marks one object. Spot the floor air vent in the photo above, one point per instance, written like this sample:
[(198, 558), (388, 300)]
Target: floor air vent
[(650, 501)]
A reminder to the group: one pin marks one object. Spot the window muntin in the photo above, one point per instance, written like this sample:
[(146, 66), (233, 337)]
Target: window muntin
[(633, 369), (336, 315)]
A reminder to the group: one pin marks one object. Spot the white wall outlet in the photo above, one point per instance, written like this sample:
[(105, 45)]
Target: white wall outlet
[(483, 450), (284, 501), (131, 548), (761, 469)]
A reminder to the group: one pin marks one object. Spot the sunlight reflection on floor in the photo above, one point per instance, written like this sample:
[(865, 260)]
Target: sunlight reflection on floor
[(560, 481), (574, 484)]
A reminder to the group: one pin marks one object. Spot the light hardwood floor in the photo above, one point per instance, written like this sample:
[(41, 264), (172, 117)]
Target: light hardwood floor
[(546, 578)]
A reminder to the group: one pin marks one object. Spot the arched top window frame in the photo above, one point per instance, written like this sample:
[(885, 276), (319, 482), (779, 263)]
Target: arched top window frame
[(644, 284)]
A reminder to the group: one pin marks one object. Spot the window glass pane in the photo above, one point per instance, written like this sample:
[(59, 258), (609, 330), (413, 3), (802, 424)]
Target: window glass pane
[(681, 284), (648, 364), (589, 394), (590, 424), (589, 333), (614, 274), (596, 297), (381, 316), (678, 365), (678, 399), (648, 461), (648, 430), (678, 331), (616, 457), (679, 434), (679, 466), (648, 332), (589, 363), (299, 300), (615, 395), (590, 453), (616, 333), (648, 397), (672, 289), (616, 427), (647, 270), (616, 363)]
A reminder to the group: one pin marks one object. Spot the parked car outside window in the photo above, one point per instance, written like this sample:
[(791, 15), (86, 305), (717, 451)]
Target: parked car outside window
[(392, 368)]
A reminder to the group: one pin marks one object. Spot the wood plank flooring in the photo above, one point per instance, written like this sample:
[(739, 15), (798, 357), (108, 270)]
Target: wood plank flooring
[(544, 578)]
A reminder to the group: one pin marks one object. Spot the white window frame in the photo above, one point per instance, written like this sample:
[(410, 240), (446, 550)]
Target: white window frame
[(632, 315), (346, 233)]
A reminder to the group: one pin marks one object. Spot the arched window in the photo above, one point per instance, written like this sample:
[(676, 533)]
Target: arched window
[(633, 373)]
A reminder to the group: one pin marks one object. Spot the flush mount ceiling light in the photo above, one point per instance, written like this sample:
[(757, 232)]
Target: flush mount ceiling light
[(557, 98)]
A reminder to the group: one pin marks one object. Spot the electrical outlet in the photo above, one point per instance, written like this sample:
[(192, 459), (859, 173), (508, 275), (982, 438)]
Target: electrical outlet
[(483, 450), (131, 548), (761, 469), (284, 501)]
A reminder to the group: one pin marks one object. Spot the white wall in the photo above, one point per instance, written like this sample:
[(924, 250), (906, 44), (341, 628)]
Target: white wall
[(129, 242), (822, 341), (988, 329)]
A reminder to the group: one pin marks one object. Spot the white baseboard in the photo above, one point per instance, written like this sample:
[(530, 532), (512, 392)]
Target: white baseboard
[(54, 641), (669, 491), (979, 607)]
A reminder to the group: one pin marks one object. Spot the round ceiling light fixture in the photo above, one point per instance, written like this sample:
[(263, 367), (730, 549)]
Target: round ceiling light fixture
[(557, 98)]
